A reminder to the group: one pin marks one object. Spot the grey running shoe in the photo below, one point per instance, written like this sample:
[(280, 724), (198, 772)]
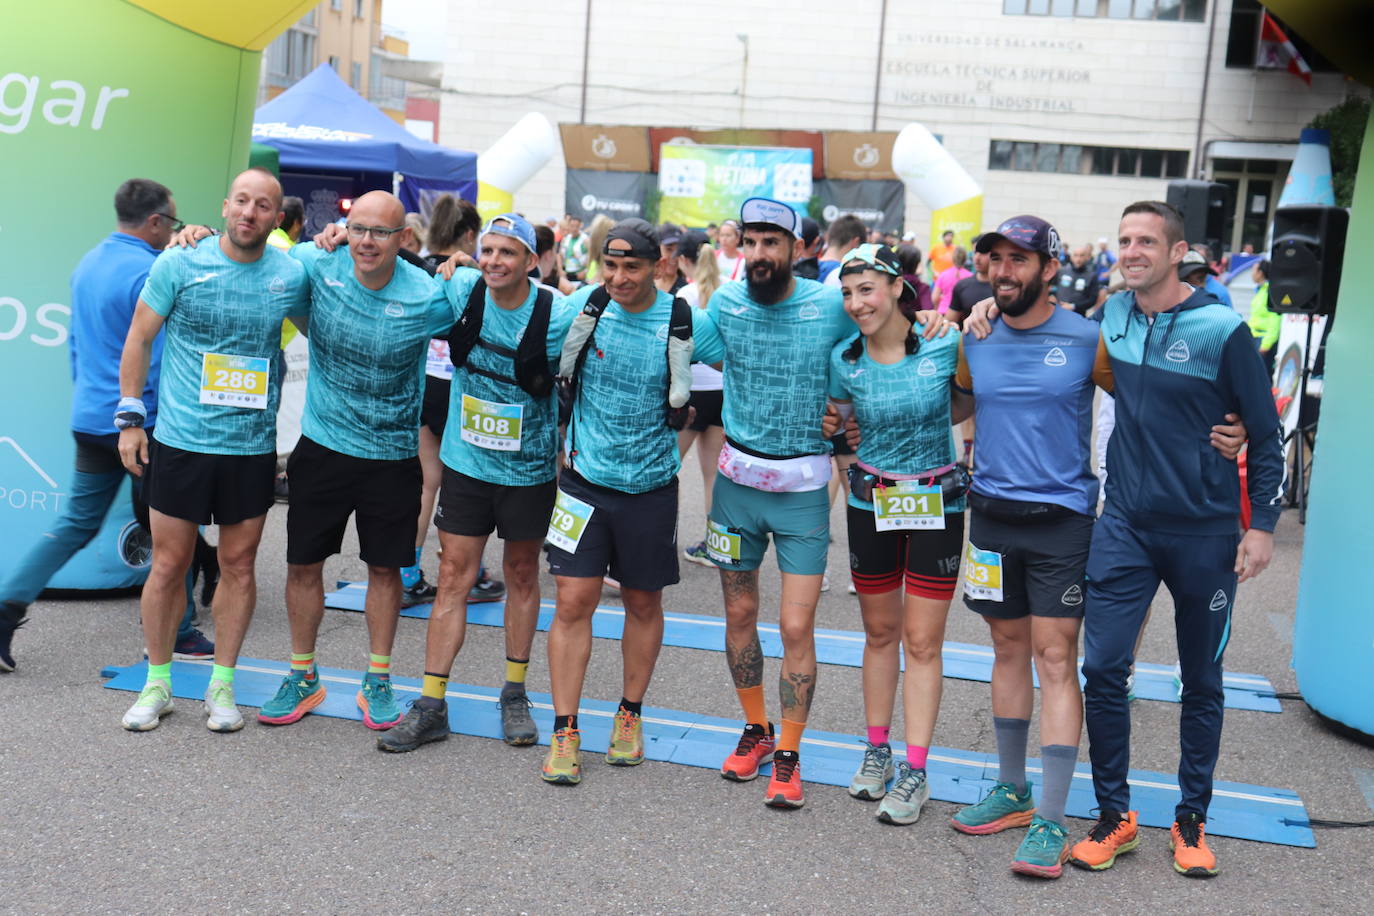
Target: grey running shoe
[(152, 704), (421, 725), (487, 590), (902, 804), (876, 771), (517, 726), (221, 713)]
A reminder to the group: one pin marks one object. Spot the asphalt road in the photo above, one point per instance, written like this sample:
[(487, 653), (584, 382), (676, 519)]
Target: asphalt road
[(313, 818)]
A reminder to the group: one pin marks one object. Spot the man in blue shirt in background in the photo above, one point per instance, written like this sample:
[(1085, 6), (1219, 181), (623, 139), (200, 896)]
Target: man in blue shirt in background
[(105, 288)]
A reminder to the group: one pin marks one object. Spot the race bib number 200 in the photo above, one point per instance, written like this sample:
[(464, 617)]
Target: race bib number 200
[(234, 381), (722, 544), (983, 574)]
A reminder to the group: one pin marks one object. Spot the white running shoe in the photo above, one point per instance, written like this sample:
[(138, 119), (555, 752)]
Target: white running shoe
[(152, 704), (221, 714)]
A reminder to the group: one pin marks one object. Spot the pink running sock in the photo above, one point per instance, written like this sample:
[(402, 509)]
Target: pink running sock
[(878, 734), (916, 756)]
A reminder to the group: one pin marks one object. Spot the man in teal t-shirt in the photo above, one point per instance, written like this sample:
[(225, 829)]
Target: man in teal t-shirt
[(371, 319), (499, 453), (214, 453), (616, 506)]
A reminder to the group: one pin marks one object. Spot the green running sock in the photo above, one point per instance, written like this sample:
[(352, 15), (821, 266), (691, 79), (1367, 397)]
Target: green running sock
[(221, 673)]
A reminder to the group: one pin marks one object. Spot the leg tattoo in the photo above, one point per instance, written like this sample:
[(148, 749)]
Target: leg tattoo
[(738, 584), (796, 690), (746, 662)]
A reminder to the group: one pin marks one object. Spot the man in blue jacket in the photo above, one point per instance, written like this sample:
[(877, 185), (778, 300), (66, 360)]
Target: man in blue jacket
[(1179, 358), (105, 288)]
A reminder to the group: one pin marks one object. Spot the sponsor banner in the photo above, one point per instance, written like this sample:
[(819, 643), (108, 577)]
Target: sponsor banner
[(707, 184), (757, 139), (859, 155), (880, 204), (619, 195), (601, 148), (964, 219), (1291, 350)]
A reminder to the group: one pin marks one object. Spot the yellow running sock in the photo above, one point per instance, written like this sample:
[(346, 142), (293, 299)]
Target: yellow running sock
[(516, 670), (790, 737), (435, 686), (755, 710)]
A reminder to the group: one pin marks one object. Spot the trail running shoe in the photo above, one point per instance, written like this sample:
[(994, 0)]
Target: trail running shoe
[(627, 740), (421, 725), (755, 748), (697, 554), (295, 697), (487, 590), (902, 805), (192, 646), (785, 785), (378, 703), (563, 764), (1113, 834), (221, 713), (517, 727), (152, 704), (875, 772), (11, 618), (421, 592), (1189, 842), (1042, 851), (1001, 809)]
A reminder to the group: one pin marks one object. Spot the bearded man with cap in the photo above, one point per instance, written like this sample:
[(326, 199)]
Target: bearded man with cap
[(498, 455), (625, 372), (778, 331)]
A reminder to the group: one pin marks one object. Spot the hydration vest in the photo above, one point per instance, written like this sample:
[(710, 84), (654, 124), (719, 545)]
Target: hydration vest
[(530, 357)]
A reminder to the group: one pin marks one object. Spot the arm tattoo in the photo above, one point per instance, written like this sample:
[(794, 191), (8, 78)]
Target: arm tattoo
[(796, 690), (739, 583), (746, 662)]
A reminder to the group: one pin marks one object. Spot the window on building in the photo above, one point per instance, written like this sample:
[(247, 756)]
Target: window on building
[(1242, 41), (1158, 10), (356, 78), (291, 56), (334, 63), (336, 4), (358, 12), (385, 91), (1074, 159)]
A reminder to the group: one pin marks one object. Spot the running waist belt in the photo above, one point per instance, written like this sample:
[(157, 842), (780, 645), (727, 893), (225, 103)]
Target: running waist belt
[(1020, 512), (800, 474), (953, 480)]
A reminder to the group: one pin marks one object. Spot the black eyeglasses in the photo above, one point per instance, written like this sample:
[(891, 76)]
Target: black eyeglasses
[(380, 233), (177, 225)]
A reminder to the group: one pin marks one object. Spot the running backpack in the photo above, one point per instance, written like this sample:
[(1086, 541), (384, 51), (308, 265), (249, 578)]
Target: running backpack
[(531, 360), (580, 340)]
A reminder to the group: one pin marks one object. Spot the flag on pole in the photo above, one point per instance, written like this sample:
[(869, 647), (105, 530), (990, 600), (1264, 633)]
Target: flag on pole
[(1276, 52)]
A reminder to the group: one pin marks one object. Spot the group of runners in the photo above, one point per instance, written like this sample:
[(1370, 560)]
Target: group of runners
[(561, 435)]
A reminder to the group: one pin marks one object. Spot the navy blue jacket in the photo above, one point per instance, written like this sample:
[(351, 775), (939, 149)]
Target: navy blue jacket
[(1175, 378)]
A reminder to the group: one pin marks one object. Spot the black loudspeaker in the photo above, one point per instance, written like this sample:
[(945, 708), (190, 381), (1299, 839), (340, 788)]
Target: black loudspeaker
[(1205, 206), (1305, 263)]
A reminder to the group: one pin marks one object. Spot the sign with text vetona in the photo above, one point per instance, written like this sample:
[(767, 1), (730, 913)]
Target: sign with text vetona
[(707, 184)]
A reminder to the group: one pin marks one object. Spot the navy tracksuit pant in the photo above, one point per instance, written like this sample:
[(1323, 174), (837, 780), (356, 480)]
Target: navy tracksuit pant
[(1125, 567)]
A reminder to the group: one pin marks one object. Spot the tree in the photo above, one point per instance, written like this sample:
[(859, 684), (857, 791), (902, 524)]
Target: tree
[(1347, 123)]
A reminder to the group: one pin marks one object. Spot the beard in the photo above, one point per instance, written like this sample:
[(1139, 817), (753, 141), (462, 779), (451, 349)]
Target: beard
[(767, 283), (1030, 294)]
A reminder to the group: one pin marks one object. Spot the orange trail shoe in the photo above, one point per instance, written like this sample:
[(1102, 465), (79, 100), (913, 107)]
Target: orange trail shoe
[(1191, 855), (784, 788), (754, 750), (1113, 834)]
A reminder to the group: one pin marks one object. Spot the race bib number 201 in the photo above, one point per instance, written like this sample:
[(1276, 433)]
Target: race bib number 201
[(234, 381), (906, 505), (569, 522), (983, 574)]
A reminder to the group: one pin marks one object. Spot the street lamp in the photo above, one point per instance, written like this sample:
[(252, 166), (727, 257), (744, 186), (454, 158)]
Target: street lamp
[(743, 75)]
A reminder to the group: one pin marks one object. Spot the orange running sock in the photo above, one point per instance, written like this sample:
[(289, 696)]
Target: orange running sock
[(755, 710), (790, 738)]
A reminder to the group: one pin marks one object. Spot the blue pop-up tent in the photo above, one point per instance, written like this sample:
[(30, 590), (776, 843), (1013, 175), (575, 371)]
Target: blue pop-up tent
[(322, 125)]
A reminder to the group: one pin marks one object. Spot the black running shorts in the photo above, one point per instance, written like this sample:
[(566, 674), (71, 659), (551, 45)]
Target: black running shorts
[(208, 489), (327, 487), (473, 507), (1043, 564), (633, 535), (927, 559)]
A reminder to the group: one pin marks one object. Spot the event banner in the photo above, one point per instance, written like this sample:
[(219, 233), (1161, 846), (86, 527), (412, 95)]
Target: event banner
[(82, 109), (619, 195), (707, 184), (880, 204)]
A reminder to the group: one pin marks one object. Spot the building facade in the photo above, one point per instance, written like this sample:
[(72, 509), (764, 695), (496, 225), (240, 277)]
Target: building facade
[(1065, 108)]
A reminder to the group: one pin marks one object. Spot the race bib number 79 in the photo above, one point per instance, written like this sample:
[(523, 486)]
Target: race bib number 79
[(569, 522)]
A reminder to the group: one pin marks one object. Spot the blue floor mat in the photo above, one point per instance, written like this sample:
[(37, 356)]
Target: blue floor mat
[(833, 647), (962, 777)]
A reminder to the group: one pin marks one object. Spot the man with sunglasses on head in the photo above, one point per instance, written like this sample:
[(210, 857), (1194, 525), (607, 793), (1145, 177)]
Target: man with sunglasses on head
[(105, 288), (213, 454), (371, 318)]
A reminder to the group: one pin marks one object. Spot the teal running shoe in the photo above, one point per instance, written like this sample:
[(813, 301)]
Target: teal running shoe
[(1042, 851), (902, 804), (296, 697), (1001, 809), (378, 703), (875, 772)]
